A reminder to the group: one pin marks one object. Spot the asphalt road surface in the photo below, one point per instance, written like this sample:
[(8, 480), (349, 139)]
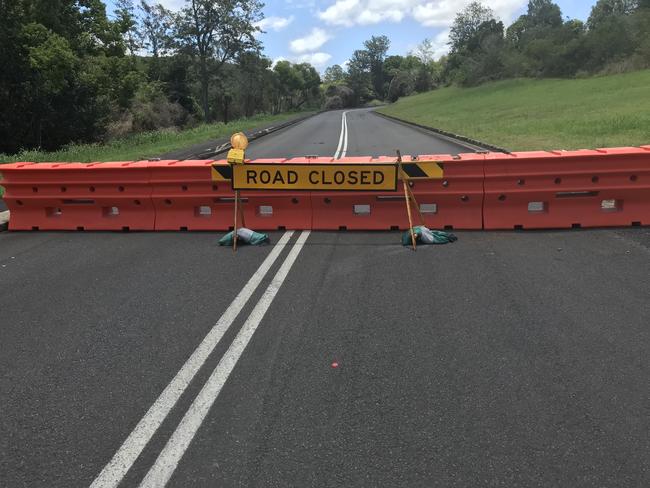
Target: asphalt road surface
[(326, 359)]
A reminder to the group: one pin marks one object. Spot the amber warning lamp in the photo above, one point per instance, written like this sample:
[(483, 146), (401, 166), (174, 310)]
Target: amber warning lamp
[(239, 143)]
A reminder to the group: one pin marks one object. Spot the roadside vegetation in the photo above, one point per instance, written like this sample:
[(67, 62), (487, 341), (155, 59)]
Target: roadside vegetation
[(145, 145), (77, 79), (482, 49), (73, 73), (524, 114)]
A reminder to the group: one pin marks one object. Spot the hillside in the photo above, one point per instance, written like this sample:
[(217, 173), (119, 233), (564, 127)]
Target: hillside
[(525, 114)]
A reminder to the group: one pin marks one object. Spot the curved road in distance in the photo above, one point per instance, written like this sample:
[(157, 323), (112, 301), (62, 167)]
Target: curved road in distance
[(327, 359), (368, 134)]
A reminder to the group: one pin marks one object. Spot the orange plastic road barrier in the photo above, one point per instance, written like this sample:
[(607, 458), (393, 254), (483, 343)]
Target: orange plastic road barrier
[(454, 202), (74, 196), (564, 189), (533, 190), (186, 198)]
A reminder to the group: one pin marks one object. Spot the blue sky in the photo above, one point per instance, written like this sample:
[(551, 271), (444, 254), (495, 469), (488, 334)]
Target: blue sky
[(326, 32)]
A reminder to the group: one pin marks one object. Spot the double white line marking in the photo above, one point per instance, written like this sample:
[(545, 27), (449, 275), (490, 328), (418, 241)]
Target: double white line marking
[(168, 460), (342, 148)]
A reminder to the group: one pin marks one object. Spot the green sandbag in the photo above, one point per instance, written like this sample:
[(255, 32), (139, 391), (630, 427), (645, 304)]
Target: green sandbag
[(244, 236), (424, 235)]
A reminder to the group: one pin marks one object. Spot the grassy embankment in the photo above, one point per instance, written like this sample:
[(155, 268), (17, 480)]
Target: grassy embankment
[(146, 145), (523, 115), (143, 146)]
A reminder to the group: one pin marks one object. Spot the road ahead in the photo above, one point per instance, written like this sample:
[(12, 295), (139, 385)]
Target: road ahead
[(326, 359), (352, 133)]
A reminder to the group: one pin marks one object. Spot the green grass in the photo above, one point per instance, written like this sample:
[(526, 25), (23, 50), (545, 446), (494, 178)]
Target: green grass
[(146, 145), (522, 115)]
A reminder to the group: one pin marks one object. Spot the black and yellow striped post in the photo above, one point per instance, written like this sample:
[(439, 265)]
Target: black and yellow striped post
[(423, 170)]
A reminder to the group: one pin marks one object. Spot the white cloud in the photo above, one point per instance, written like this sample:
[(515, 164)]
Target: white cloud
[(440, 44), (430, 13), (171, 4), (277, 60), (275, 23), (311, 42), (317, 60)]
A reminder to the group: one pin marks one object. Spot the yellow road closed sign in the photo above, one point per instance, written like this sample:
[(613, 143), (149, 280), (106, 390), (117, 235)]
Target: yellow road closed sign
[(315, 177)]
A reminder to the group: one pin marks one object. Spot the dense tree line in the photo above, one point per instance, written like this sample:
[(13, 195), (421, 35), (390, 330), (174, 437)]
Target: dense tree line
[(373, 75), (540, 43), (73, 73)]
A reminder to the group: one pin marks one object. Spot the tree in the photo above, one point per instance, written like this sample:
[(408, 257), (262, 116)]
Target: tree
[(157, 35), (610, 37), (376, 49), (425, 51), (253, 81), (480, 59), (127, 25), (467, 23), (543, 13), (215, 32), (358, 76), (157, 28), (605, 9), (51, 64), (334, 74), (299, 84)]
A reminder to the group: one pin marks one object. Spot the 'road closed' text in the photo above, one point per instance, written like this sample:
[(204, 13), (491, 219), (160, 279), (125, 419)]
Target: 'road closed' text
[(315, 177)]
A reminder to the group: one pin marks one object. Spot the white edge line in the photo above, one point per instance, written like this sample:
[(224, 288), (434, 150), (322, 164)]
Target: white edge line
[(125, 457), (345, 141), (338, 149), (168, 460)]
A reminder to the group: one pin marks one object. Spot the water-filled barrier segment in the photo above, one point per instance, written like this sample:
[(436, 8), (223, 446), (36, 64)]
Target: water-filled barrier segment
[(526, 190)]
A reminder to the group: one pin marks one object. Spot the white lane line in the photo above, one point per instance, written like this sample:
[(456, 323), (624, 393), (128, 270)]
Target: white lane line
[(345, 141), (116, 469), (168, 460), (342, 137)]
